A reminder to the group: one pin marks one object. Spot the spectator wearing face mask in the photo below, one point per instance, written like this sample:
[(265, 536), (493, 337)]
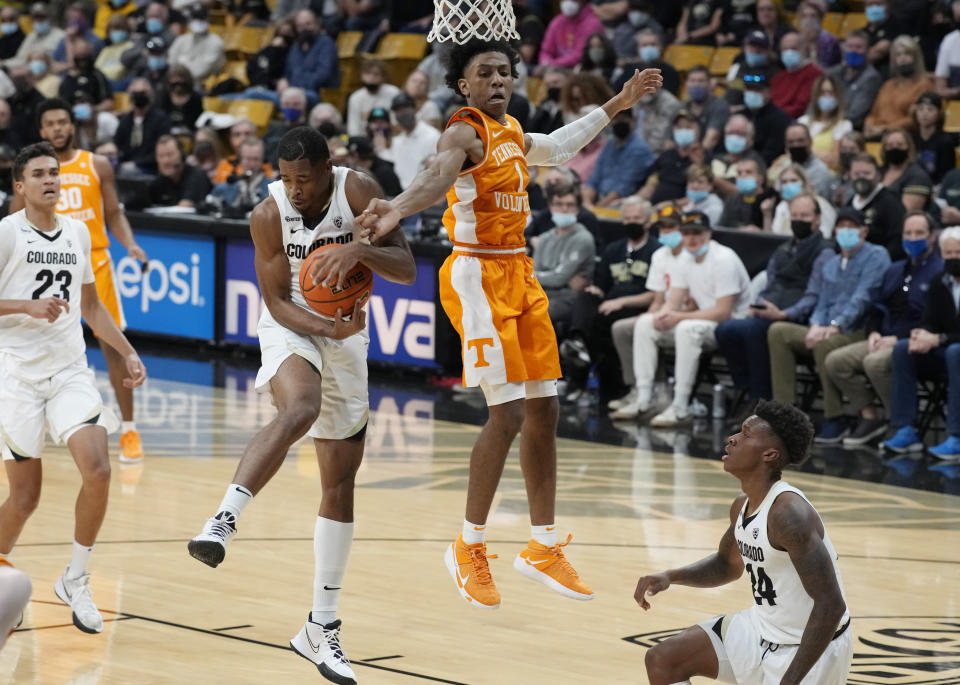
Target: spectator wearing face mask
[(791, 182), (623, 164), (599, 59), (540, 220), (91, 125), (711, 112), (139, 129), (699, 193), (416, 87), (45, 37), (743, 210), (46, 81), (245, 190), (23, 104), (109, 62), (819, 46), (11, 35), (548, 116), (200, 51), (293, 108), (860, 79), (799, 150), (78, 32), (412, 142), (882, 209), (790, 89), (312, 59), (181, 102), (650, 53), (108, 149), (908, 82), (326, 118), (936, 149), (881, 29), (155, 22), (851, 145), (84, 76), (375, 93), (755, 56), (902, 175), (639, 16), (177, 183), (150, 62), (362, 157), (738, 143), (825, 119), (668, 178), (947, 70), (656, 112), (770, 122), (567, 34)]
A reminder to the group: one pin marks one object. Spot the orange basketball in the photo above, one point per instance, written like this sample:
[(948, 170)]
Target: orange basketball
[(327, 300)]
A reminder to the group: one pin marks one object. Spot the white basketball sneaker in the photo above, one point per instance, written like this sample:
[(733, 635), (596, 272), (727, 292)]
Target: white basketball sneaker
[(75, 593), (210, 546), (320, 645)]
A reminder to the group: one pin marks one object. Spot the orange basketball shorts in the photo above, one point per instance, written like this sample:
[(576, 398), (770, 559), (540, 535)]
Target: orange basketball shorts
[(106, 285), (500, 311)]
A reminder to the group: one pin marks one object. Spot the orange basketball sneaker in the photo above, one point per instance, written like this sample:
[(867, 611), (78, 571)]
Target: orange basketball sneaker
[(131, 450), (549, 566), (468, 566)]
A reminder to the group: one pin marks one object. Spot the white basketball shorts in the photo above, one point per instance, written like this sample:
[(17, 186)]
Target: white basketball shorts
[(747, 659), (342, 365), (61, 404)]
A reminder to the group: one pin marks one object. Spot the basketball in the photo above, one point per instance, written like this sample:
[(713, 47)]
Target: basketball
[(327, 300)]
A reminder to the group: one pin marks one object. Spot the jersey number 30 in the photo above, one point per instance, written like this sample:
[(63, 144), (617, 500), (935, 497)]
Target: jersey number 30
[(46, 278), (762, 585), (70, 198)]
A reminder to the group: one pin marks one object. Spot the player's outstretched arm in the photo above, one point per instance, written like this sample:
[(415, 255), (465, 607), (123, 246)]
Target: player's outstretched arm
[(112, 214), (563, 144), (273, 273), (795, 527), (429, 186), (102, 323), (720, 568)]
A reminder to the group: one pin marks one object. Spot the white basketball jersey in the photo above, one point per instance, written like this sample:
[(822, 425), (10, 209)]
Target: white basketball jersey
[(299, 240), (33, 265), (782, 604)]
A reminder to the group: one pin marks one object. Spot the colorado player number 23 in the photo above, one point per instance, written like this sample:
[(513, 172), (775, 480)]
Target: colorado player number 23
[(46, 279)]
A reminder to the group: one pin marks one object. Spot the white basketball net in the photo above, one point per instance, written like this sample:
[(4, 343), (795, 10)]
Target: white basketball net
[(461, 20)]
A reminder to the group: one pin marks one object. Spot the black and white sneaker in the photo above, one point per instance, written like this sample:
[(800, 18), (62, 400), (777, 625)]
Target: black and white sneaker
[(320, 645), (865, 431), (210, 546), (75, 593)]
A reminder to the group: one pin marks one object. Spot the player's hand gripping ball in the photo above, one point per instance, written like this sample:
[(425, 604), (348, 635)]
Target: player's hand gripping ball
[(324, 300)]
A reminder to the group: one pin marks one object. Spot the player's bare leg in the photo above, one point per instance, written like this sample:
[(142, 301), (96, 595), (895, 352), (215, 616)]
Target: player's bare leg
[(296, 393), (488, 457), (90, 452), (319, 639), (680, 658), (24, 478)]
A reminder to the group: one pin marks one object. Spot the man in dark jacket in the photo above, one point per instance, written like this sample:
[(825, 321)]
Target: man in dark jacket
[(788, 296), (862, 370), (23, 105), (139, 129), (881, 208), (769, 120), (931, 352), (11, 35)]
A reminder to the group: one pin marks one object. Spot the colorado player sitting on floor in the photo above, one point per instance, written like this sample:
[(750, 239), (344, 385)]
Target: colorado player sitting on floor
[(316, 368), (798, 629), (46, 284)]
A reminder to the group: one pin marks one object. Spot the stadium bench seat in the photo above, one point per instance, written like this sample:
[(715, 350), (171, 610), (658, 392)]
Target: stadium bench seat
[(951, 122), (722, 60), (852, 21), (121, 102), (683, 57), (214, 104), (258, 111)]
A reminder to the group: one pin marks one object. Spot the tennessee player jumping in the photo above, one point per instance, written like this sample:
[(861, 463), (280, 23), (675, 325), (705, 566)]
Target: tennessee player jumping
[(488, 290), (88, 194)]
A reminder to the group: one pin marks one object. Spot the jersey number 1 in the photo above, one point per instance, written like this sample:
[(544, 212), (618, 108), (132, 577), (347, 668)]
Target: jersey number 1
[(47, 278), (762, 585)]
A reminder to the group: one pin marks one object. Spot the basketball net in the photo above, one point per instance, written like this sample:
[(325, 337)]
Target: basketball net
[(461, 20)]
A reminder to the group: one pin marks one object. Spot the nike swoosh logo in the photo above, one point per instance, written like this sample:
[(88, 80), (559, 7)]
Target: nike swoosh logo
[(551, 528), (314, 647), (479, 527), (235, 488), (497, 134), (31, 242), (536, 563), (461, 580), (334, 587)]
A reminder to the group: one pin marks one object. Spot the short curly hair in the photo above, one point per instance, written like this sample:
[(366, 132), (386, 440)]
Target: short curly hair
[(459, 57), (791, 426)]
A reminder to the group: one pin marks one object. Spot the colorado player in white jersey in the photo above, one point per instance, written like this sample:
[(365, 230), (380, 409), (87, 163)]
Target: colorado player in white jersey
[(798, 628), (316, 368), (46, 284)]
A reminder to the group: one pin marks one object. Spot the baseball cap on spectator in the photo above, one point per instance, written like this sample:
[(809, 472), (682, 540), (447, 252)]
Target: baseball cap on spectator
[(851, 214), (378, 113), (668, 216), (361, 146), (400, 101), (758, 38), (756, 79), (156, 45), (695, 221), (930, 98), (198, 11), (39, 10)]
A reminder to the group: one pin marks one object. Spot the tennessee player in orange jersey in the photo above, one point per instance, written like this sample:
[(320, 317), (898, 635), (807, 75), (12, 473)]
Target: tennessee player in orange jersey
[(488, 290), (88, 194)]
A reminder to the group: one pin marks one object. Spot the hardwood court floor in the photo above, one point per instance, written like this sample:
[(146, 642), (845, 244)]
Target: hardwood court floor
[(173, 620)]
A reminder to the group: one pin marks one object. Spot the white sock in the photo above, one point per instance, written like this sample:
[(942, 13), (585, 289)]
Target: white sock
[(79, 561), (127, 426), (331, 550), (473, 533), (545, 535), (644, 395), (236, 498)]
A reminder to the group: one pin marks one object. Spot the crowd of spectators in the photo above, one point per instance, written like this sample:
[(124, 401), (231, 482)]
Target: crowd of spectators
[(835, 143)]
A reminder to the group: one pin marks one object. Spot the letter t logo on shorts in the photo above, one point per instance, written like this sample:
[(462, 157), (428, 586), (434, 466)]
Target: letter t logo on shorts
[(478, 345)]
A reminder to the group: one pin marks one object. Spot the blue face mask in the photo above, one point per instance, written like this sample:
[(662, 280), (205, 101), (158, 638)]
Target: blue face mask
[(684, 136), (697, 93), (848, 238), (291, 113), (117, 37), (563, 220), (702, 251), (752, 99), (876, 13), (9, 27), (649, 53), (154, 26), (670, 240), (156, 63), (82, 111), (914, 248), (697, 195), (790, 58), (38, 67), (827, 103), (735, 144), (855, 59), (746, 185), (788, 191), (755, 59), (41, 27)]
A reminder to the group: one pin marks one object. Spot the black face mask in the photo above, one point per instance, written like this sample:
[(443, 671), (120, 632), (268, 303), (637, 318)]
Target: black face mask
[(907, 70), (800, 155), (83, 63), (863, 186), (553, 94), (895, 156), (372, 87), (621, 130), (801, 229), (21, 84), (952, 267), (327, 129), (306, 38), (634, 231), (140, 99), (845, 159), (179, 88)]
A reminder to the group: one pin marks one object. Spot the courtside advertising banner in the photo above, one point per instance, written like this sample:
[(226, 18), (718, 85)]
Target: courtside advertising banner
[(175, 295), (401, 318)]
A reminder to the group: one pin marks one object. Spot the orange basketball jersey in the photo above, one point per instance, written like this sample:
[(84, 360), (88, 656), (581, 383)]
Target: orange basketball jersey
[(80, 197), (488, 205)]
